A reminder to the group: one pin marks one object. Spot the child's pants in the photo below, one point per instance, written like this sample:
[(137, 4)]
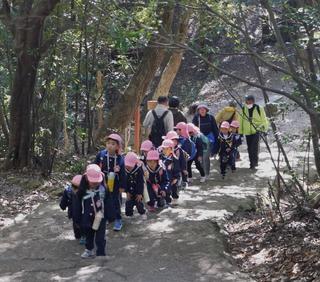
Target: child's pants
[(117, 199), (99, 237), (78, 232), (130, 203), (198, 166), (154, 197), (225, 161)]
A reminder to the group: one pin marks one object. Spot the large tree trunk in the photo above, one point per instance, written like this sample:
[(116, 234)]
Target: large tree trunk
[(3, 123), (121, 115), (171, 70), (27, 29)]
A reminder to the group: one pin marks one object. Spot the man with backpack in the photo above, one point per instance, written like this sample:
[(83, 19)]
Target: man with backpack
[(253, 122), (228, 113), (158, 122)]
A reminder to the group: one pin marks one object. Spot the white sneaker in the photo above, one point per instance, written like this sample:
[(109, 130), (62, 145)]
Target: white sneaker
[(190, 180), (202, 179), (174, 202), (87, 254), (144, 216)]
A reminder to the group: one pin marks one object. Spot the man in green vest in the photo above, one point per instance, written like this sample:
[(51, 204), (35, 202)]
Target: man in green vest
[(253, 122)]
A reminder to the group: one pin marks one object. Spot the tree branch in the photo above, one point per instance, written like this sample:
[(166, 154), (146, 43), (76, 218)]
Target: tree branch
[(44, 8)]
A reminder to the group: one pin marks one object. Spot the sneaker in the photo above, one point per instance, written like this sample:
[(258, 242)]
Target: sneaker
[(117, 225), (87, 254), (184, 185), (190, 180), (223, 176), (202, 179), (144, 216), (82, 240), (174, 202)]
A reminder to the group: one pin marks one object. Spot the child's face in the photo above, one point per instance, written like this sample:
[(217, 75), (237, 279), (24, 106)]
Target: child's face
[(152, 164), (74, 188), (93, 184), (234, 129), (167, 151), (178, 131), (175, 142), (224, 130), (129, 168), (112, 146)]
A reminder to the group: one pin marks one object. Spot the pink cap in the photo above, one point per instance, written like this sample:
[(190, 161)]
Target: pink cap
[(225, 124), (181, 125), (167, 143), (153, 155), (146, 146), (235, 124), (115, 137), (131, 159), (76, 180), (191, 128), (94, 173), (171, 135)]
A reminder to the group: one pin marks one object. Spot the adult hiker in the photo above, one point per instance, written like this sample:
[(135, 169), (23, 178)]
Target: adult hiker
[(253, 122), (208, 126), (178, 116), (158, 121), (228, 113)]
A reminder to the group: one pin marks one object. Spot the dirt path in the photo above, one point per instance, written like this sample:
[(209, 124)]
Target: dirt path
[(176, 244)]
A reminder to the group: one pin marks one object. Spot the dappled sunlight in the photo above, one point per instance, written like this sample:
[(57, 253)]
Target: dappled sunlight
[(160, 225)]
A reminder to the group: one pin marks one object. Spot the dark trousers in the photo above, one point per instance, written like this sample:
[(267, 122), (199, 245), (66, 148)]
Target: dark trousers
[(154, 196), (78, 232), (198, 166), (99, 237), (130, 203), (175, 191), (117, 200), (253, 148), (225, 161)]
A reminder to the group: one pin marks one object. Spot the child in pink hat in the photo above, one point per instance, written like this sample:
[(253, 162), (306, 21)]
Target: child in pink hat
[(111, 163), (134, 185), (157, 181), (172, 166), (194, 135), (226, 148), (145, 147), (91, 216), (237, 140), (68, 201)]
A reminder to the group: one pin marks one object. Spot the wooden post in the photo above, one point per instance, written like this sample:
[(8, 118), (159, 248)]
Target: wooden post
[(137, 127)]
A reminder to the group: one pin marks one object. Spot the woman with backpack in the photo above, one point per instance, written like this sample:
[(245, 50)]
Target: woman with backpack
[(228, 113), (208, 126)]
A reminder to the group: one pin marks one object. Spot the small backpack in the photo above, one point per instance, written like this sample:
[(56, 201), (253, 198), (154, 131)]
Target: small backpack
[(189, 147), (158, 129)]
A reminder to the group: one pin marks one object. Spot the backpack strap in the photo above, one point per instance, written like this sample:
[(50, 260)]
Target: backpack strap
[(258, 109), (159, 118)]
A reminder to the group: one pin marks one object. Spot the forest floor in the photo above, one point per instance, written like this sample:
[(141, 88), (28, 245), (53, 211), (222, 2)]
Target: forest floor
[(184, 243)]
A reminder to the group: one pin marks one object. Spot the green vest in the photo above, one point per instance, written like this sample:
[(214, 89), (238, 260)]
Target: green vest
[(259, 121)]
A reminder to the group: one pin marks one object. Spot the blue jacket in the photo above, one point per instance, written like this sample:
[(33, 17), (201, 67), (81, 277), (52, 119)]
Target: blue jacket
[(236, 140), (199, 145), (88, 201), (179, 152), (158, 177), (107, 164), (135, 181), (172, 167), (66, 200)]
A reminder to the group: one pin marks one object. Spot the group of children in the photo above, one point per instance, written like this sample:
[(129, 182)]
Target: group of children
[(150, 181)]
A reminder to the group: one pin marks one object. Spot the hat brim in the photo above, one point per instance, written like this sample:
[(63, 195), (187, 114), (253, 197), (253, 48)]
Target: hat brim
[(97, 179)]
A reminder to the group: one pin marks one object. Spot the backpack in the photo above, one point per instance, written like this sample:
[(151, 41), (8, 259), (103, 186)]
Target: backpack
[(158, 129), (189, 147), (205, 142)]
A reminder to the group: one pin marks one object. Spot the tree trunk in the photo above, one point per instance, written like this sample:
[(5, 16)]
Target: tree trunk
[(121, 115), (171, 70), (3, 123)]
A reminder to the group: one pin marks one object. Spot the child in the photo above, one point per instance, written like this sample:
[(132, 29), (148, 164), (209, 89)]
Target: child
[(199, 155), (157, 181), (134, 185), (225, 141), (91, 215), (112, 165), (145, 147), (172, 166), (180, 154), (68, 200), (237, 140)]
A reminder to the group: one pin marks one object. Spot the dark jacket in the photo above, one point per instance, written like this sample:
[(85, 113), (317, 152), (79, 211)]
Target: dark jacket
[(158, 177), (135, 181), (172, 167), (66, 200), (86, 198), (236, 140), (225, 143), (207, 125), (107, 164), (179, 152), (178, 116)]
